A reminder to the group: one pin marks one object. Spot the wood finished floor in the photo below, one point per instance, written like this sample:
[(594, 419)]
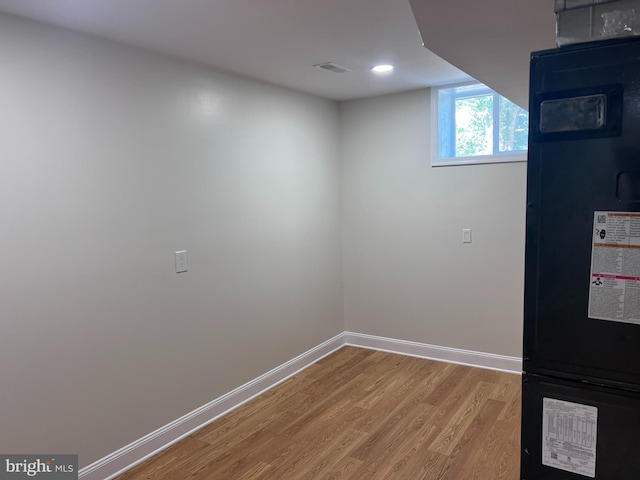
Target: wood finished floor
[(360, 415)]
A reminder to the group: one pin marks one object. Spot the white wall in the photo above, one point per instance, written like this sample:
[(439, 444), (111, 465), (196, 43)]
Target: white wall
[(112, 159), (406, 273)]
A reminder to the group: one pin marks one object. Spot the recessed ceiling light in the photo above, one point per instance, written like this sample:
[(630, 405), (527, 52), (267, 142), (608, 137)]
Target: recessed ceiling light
[(382, 68)]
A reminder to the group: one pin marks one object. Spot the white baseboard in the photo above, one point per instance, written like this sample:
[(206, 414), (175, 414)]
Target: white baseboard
[(127, 457), (433, 352)]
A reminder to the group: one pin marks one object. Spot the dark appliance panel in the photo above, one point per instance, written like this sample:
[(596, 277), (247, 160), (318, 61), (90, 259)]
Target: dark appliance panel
[(584, 158), (572, 431)]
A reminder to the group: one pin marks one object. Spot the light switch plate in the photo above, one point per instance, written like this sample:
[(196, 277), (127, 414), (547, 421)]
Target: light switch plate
[(466, 235), (181, 261)]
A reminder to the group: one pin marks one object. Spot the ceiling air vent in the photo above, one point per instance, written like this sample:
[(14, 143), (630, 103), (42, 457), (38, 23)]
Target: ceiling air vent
[(332, 67)]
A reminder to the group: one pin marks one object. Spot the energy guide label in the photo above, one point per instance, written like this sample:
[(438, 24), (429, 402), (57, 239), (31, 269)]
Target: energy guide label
[(569, 436), (614, 285)]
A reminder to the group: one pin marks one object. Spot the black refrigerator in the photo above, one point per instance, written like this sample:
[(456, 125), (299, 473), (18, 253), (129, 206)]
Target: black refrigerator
[(581, 379)]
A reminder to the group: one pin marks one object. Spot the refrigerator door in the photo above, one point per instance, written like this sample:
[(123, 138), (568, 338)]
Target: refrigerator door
[(582, 320), (572, 431)]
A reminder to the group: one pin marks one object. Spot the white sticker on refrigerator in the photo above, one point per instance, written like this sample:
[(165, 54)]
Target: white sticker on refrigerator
[(614, 285), (569, 436)]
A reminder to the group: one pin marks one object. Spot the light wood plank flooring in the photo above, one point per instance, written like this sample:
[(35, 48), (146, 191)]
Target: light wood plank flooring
[(360, 415)]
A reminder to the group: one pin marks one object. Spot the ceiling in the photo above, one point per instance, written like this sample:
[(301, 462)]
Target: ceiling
[(279, 41), (490, 39)]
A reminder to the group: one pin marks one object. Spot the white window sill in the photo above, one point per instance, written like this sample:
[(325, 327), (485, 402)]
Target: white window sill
[(479, 159)]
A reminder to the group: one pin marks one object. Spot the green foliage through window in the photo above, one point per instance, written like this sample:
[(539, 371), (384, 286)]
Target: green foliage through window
[(473, 120)]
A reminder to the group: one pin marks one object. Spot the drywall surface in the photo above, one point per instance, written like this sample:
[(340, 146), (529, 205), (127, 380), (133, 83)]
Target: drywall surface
[(114, 158), (407, 274), (490, 40)]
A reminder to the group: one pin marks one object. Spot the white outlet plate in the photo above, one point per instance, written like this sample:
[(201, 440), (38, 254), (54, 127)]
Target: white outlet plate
[(181, 261), (466, 235)]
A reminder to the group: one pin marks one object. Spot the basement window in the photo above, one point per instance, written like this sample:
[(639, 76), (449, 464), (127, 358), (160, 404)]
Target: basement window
[(472, 124)]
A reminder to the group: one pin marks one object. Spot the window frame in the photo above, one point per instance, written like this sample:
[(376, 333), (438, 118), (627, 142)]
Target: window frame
[(437, 161)]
